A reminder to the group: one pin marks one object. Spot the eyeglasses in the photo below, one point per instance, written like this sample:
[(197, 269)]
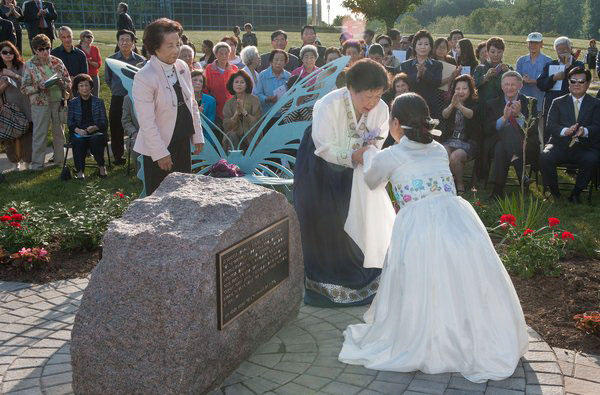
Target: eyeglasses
[(88, 36), (7, 53), (580, 81), (43, 49)]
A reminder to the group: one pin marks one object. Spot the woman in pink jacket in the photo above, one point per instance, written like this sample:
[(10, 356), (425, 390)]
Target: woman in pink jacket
[(163, 96)]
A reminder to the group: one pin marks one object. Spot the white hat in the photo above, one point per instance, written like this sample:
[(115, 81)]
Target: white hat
[(535, 37)]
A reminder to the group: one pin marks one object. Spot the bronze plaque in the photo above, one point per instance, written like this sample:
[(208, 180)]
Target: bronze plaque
[(251, 268)]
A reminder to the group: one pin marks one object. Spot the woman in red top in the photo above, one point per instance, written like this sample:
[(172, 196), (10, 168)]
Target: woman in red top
[(217, 74), (86, 38)]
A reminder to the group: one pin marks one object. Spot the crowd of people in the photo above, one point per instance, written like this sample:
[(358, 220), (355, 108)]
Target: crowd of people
[(490, 112)]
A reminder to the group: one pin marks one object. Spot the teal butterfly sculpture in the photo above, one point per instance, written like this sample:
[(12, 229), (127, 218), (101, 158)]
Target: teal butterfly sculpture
[(270, 155)]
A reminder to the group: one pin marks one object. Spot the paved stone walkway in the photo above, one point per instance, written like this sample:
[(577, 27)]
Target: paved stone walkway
[(36, 323)]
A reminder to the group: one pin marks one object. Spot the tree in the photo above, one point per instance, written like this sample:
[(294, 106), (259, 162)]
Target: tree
[(591, 19), (387, 11), (409, 24), (339, 20)]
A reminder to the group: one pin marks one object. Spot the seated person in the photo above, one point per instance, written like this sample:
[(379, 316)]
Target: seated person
[(506, 119), (130, 125), (331, 54), (398, 86), (462, 128), (87, 125), (206, 103), (574, 127), (241, 112)]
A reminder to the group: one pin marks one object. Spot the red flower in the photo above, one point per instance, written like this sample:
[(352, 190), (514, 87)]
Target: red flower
[(120, 195), (17, 217), (508, 219), (553, 221), (5, 218), (567, 235), (528, 232), (12, 210), (478, 203), (15, 224)]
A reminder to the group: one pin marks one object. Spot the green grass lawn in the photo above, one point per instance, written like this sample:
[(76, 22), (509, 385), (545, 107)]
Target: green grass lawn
[(45, 188)]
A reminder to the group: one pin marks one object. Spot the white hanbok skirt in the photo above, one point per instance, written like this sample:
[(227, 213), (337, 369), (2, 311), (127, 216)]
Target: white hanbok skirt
[(445, 302)]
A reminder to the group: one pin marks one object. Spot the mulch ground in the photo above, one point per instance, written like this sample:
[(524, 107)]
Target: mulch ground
[(549, 303)]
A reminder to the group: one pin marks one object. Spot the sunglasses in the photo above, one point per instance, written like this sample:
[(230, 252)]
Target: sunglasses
[(580, 81), (43, 49), (7, 53)]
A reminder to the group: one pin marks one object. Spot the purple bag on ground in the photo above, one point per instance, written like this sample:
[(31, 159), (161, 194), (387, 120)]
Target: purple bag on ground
[(222, 169)]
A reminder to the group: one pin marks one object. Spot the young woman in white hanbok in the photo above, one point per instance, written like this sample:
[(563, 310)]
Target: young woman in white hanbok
[(445, 302)]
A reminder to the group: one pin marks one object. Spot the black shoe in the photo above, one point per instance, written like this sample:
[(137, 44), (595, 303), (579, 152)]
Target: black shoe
[(120, 161), (575, 199)]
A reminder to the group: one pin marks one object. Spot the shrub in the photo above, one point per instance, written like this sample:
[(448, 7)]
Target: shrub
[(589, 322), (30, 258), (22, 225)]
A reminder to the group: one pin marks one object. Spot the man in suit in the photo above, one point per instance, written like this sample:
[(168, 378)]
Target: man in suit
[(7, 31), (508, 129), (124, 21), (309, 37), (278, 41), (547, 82), (453, 38), (39, 17), (574, 127)]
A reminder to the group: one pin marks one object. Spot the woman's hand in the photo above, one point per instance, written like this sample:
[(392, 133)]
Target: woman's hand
[(455, 101), (93, 64), (81, 132), (198, 148), (166, 164), (357, 156)]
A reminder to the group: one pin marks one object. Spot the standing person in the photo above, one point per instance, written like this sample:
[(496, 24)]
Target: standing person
[(124, 21), (7, 31), (353, 48), (18, 151), (309, 56), (481, 52), (249, 38), (574, 126), (396, 38), (11, 11), (166, 110), (186, 41), (309, 37), (126, 41), (424, 73), (331, 54), (206, 103), (432, 308), (207, 53), (462, 127), (251, 59), (279, 41), (336, 273), (453, 39), (238, 40), (556, 84), (466, 56), (391, 62), (217, 74), (94, 60), (591, 56), (272, 81), (73, 58), (87, 125), (46, 102), (368, 35), (39, 17), (531, 67), (241, 112), (234, 58), (488, 77)]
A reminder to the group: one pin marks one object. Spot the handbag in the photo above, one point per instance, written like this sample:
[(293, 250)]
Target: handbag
[(13, 122)]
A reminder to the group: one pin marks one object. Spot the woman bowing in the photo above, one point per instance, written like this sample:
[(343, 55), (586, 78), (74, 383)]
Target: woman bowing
[(166, 110), (338, 270)]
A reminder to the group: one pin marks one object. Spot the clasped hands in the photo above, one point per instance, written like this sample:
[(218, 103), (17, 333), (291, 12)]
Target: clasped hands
[(577, 130), (358, 155), (513, 109), (86, 131)]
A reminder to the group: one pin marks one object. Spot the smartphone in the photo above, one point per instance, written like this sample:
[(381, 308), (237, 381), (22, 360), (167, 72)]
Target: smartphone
[(499, 68)]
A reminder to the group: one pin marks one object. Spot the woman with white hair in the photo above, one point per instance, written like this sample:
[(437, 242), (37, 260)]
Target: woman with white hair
[(553, 79), (308, 57), (187, 54), (251, 58)]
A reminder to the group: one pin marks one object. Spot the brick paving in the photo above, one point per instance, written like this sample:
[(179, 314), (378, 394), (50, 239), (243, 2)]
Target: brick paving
[(36, 323)]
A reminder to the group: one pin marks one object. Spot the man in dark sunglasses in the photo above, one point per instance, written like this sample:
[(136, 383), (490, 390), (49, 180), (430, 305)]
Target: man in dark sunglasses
[(574, 126)]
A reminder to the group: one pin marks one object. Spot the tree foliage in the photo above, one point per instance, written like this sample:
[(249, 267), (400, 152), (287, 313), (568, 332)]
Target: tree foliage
[(387, 11), (591, 19)]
